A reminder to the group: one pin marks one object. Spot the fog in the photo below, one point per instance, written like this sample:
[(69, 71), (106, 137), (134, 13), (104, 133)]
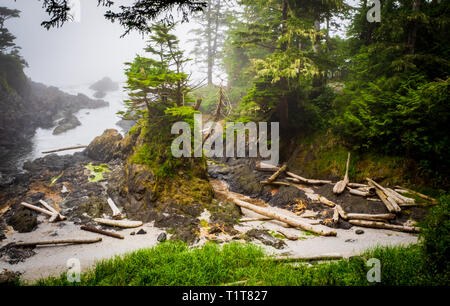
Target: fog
[(82, 51)]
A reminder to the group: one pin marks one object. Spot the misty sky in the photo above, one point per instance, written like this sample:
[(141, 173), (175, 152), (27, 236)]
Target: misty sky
[(79, 52)]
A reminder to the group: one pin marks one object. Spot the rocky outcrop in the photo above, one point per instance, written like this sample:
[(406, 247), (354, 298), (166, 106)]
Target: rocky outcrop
[(68, 123), (105, 147), (103, 86)]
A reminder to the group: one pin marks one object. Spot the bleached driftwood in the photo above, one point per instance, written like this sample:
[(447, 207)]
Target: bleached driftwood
[(119, 223), (54, 211), (421, 195), (275, 183), (276, 174), (358, 192), (66, 241), (314, 196), (38, 209), (340, 186), (99, 231), (255, 219), (309, 258), (376, 224), (290, 237), (356, 185), (299, 179), (115, 210), (388, 201), (64, 149), (293, 221)]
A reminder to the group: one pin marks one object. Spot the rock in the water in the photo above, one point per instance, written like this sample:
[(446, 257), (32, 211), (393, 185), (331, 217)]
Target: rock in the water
[(68, 123), (105, 147), (359, 232), (104, 85), (141, 232), (99, 94), (162, 237)]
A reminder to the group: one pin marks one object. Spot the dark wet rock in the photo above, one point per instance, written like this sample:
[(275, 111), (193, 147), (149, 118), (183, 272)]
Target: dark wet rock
[(105, 147), (54, 162), (105, 85), (141, 232), (286, 196), (36, 196), (162, 237), (132, 233), (68, 123), (13, 255), (8, 277), (99, 94), (359, 232), (22, 220), (266, 238)]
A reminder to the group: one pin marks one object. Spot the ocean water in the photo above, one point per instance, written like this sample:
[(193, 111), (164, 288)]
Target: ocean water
[(93, 123)]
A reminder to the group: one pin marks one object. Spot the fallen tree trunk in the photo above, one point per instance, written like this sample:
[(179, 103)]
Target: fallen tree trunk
[(340, 186), (432, 200), (119, 223), (99, 231), (390, 203), (49, 242), (376, 224), (64, 149), (295, 222), (261, 166), (341, 212), (401, 199)]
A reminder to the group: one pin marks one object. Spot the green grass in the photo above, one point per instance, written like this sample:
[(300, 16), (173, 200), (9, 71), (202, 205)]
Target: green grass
[(174, 263)]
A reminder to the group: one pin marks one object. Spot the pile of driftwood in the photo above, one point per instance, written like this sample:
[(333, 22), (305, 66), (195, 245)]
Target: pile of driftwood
[(56, 216), (393, 199)]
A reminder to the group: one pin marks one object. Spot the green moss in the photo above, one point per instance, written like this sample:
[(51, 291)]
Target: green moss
[(96, 172)]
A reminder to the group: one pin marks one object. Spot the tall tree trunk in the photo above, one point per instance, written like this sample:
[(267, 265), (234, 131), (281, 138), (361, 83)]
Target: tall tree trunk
[(209, 38), (283, 105), (412, 35)]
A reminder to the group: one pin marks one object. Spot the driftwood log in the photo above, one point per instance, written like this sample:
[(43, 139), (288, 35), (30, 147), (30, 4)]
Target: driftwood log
[(295, 222), (309, 258), (275, 183), (66, 241), (64, 149), (421, 195), (339, 187), (276, 174), (376, 224), (119, 223), (290, 237), (116, 212), (54, 211), (99, 231), (388, 201), (356, 185), (38, 209), (261, 166), (255, 219)]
